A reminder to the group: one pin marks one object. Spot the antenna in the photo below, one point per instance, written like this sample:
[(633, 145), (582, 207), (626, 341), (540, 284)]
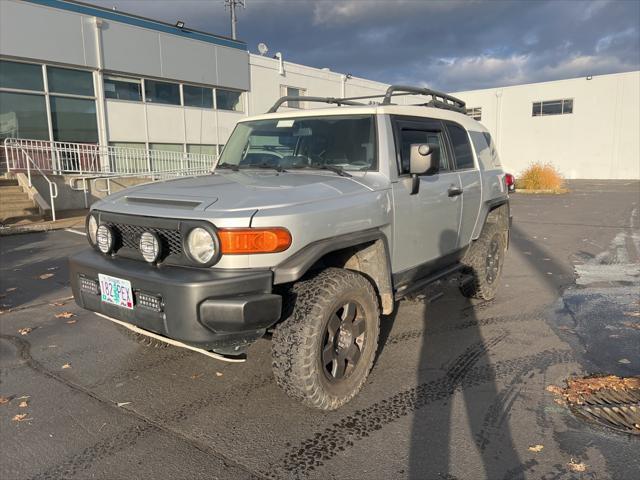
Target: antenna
[(263, 49), (234, 19)]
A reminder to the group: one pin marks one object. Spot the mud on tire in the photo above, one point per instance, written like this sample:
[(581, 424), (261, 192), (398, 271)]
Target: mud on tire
[(323, 352), (483, 262)]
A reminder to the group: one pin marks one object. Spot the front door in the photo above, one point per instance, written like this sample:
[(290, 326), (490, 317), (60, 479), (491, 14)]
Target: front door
[(426, 223)]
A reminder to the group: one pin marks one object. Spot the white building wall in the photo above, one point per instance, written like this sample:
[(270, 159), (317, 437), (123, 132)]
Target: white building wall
[(600, 139)]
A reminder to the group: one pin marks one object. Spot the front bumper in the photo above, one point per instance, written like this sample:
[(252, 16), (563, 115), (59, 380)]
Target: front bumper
[(212, 309)]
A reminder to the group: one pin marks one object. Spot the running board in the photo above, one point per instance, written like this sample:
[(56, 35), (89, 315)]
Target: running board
[(170, 341), (423, 282)]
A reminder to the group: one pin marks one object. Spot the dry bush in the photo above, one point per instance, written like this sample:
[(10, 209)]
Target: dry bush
[(541, 176)]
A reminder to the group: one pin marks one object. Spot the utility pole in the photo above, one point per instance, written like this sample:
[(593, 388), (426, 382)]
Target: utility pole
[(234, 19)]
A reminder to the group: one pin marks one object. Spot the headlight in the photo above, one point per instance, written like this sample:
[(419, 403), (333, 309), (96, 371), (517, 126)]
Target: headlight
[(201, 245), (92, 228), (104, 239)]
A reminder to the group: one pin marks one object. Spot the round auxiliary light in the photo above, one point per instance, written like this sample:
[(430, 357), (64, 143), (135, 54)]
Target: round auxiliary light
[(149, 246), (92, 229), (201, 245), (104, 239)]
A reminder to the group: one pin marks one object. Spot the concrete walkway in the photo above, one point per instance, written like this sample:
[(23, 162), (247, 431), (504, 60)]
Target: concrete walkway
[(66, 219)]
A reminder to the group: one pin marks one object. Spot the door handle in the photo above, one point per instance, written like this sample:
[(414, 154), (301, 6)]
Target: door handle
[(454, 191)]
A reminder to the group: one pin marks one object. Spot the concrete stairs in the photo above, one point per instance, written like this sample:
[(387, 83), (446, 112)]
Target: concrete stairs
[(15, 204)]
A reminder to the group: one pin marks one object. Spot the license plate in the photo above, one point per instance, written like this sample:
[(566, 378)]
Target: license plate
[(116, 291)]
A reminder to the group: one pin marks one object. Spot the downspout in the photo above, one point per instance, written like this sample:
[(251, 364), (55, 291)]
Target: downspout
[(100, 100), (280, 63), (343, 87)]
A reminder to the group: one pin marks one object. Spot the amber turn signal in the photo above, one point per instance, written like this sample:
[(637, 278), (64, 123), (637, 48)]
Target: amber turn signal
[(239, 241)]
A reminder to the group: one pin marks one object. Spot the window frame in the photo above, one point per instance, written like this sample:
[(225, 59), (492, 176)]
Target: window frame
[(168, 82), (242, 99), (191, 85), (398, 120), (123, 79), (562, 102), (473, 112), (284, 92)]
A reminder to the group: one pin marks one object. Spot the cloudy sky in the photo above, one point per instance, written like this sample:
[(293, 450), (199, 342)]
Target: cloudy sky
[(450, 45)]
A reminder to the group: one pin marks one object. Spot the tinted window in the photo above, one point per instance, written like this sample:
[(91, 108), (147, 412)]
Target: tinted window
[(197, 96), (123, 88), (552, 108), (411, 135), (24, 76), (65, 80), (228, 100), (23, 116), (162, 92), (461, 146), (74, 120)]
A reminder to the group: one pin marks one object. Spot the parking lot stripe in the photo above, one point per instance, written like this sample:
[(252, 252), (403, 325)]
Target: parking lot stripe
[(77, 232)]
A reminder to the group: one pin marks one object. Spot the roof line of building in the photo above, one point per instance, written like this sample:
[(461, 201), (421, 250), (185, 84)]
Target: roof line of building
[(138, 21)]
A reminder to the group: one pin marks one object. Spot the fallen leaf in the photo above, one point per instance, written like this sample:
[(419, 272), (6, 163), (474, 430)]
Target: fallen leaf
[(25, 331), (23, 404), (71, 321), (554, 389), (624, 361), (11, 289), (122, 404), (56, 304), (20, 417), (628, 314), (575, 466), (44, 276), (52, 268), (218, 374), (536, 448), (196, 375), (65, 315), (635, 325), (66, 365), (4, 400)]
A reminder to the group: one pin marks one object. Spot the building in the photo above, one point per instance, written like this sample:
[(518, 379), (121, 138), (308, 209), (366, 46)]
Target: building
[(71, 72)]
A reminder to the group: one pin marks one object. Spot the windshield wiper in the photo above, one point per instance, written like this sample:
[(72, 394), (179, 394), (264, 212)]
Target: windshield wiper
[(230, 166), (277, 168), (334, 168)]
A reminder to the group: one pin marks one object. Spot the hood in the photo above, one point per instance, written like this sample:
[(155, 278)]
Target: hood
[(236, 191)]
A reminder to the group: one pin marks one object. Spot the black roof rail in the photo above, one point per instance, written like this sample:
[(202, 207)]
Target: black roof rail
[(438, 99)]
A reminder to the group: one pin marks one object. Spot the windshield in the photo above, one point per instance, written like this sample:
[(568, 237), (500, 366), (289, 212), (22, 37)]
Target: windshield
[(336, 142)]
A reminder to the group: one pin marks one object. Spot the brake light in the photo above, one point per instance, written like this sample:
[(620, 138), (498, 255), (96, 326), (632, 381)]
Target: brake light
[(509, 179), (238, 241)]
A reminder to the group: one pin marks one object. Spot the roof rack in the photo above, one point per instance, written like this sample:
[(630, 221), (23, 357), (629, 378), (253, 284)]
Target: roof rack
[(438, 99)]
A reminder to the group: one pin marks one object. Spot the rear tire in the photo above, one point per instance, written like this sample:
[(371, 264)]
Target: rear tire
[(323, 352), (483, 263)]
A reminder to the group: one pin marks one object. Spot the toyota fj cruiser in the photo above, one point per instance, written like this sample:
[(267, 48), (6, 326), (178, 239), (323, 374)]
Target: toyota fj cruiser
[(313, 223)]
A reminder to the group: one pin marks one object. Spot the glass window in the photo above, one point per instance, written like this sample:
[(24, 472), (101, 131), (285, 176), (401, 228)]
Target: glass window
[(294, 92), (162, 92), (567, 106), (552, 108), (202, 149), (167, 147), (65, 80), (23, 116), (74, 120), (409, 136), (346, 142), (475, 113), (461, 146), (537, 109), (197, 96), (122, 88), (229, 100), (23, 76)]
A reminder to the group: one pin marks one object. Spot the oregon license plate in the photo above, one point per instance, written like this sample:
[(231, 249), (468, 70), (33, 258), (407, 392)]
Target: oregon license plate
[(116, 291)]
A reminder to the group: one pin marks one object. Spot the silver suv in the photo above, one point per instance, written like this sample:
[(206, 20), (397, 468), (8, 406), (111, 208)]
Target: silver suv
[(313, 223)]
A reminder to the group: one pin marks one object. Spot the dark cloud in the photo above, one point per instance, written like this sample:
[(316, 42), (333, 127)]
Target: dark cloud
[(450, 45)]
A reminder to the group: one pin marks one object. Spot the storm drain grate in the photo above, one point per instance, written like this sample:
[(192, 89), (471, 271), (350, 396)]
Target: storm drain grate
[(608, 400)]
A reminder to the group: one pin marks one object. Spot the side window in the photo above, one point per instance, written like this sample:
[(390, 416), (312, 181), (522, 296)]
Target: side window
[(412, 134), (461, 146)]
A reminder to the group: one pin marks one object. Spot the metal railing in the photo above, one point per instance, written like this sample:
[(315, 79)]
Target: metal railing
[(65, 158)]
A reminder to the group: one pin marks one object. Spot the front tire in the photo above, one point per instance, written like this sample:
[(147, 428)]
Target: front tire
[(323, 352), (483, 262)]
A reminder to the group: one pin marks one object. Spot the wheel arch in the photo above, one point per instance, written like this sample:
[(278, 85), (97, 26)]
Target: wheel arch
[(366, 252)]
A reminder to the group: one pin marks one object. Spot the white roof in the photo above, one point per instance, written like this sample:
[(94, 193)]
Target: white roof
[(407, 110)]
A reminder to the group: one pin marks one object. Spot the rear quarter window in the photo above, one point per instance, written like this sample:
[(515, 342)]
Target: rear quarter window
[(483, 150), (461, 146)]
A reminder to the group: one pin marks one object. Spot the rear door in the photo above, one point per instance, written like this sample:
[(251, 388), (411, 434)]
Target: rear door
[(469, 178), (426, 223)]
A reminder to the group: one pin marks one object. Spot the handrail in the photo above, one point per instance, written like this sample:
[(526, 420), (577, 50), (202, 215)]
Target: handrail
[(53, 187)]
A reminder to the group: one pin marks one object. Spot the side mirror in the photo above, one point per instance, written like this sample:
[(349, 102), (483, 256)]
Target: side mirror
[(424, 159)]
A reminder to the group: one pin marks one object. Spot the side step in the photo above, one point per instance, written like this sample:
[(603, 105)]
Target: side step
[(419, 284)]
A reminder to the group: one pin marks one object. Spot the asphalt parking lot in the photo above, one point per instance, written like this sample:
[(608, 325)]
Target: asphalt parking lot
[(457, 392)]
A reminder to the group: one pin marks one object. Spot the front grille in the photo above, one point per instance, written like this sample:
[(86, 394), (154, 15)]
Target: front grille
[(130, 237)]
